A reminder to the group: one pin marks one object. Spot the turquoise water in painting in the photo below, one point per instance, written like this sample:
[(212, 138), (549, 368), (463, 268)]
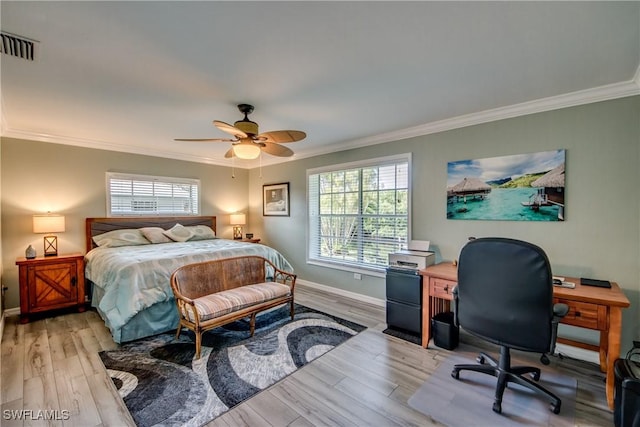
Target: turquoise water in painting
[(502, 204)]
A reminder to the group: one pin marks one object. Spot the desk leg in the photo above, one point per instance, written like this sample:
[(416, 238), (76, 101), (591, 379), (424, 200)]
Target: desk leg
[(615, 327), (426, 315), (604, 350)]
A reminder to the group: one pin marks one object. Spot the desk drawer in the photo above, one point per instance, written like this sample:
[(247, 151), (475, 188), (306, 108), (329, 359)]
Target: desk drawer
[(441, 288), (585, 315)]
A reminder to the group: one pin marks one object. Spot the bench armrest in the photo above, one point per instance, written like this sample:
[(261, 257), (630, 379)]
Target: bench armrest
[(284, 277)]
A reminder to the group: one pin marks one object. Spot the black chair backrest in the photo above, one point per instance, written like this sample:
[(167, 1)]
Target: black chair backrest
[(505, 293)]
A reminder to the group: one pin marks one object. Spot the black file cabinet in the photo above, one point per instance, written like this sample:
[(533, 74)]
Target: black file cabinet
[(404, 300)]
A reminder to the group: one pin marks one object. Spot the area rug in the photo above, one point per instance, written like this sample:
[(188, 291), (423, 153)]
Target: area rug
[(469, 400), (162, 384)]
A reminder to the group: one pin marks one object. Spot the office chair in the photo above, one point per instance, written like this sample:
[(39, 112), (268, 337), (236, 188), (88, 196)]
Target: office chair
[(505, 296)]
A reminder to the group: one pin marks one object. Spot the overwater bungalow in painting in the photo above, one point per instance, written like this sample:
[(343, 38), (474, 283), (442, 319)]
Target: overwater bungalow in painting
[(468, 187), (550, 191)]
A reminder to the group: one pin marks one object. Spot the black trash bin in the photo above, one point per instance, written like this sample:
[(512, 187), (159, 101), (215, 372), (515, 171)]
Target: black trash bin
[(627, 393), (445, 332)]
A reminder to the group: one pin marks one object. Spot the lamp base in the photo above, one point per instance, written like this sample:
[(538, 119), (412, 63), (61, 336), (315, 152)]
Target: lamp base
[(237, 232), (50, 246)]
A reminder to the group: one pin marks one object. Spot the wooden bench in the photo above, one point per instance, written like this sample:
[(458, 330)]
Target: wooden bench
[(213, 293)]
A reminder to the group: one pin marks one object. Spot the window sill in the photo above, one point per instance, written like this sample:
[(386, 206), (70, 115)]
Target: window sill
[(368, 271)]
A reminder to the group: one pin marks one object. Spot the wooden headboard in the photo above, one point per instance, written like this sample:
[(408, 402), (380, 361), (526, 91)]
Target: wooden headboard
[(95, 226)]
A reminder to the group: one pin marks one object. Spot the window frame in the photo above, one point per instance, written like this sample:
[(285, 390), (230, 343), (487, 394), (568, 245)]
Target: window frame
[(109, 176), (312, 211)]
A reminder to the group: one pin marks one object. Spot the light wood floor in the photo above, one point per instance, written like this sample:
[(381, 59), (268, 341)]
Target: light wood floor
[(53, 364)]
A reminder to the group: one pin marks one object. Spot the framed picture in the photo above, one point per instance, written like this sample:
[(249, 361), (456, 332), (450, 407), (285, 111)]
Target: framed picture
[(524, 187), (275, 199)]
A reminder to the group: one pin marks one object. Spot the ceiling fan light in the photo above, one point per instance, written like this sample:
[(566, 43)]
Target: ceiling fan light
[(246, 151)]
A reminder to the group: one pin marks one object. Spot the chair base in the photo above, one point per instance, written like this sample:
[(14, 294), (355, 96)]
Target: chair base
[(506, 373)]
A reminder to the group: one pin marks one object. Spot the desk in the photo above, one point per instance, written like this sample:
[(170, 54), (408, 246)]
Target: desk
[(590, 307)]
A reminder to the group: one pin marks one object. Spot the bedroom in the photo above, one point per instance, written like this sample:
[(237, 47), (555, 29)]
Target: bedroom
[(600, 238)]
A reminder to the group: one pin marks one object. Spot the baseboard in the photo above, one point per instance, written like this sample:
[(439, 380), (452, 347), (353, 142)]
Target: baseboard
[(348, 294), (573, 352), (15, 311), (567, 350), (7, 313), (578, 353)]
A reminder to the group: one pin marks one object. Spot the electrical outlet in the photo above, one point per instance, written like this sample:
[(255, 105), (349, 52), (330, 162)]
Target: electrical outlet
[(357, 276)]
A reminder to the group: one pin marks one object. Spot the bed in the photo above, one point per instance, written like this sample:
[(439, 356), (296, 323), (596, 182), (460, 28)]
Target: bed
[(129, 275)]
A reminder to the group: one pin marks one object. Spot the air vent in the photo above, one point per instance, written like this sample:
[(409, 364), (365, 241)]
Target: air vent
[(18, 46)]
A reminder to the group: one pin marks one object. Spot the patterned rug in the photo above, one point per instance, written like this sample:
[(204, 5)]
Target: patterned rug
[(162, 384)]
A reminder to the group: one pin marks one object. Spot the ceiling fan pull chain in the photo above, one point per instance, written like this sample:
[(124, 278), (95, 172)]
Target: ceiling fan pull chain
[(233, 165), (260, 163)]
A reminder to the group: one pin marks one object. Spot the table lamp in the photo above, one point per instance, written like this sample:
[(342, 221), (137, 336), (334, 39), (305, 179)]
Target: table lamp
[(49, 224), (238, 220)]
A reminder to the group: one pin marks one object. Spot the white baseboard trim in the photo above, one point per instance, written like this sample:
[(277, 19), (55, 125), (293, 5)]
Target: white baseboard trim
[(6, 313), (567, 350), (578, 353), (348, 294), (15, 311)]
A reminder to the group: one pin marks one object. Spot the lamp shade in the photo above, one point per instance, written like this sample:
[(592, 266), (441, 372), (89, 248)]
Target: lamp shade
[(238, 219), (48, 223), (246, 151)]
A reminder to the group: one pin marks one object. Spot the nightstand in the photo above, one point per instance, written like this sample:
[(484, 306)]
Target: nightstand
[(251, 240), (50, 283)]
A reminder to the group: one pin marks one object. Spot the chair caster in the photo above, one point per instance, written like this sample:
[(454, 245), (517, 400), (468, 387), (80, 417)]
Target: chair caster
[(555, 408), (480, 359), (497, 407), (535, 376), (455, 373), (544, 359)]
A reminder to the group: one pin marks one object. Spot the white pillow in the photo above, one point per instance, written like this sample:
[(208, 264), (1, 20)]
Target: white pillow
[(155, 234), (117, 238), (178, 233), (201, 232)]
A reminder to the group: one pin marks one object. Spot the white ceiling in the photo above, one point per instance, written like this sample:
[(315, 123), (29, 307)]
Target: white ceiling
[(131, 76)]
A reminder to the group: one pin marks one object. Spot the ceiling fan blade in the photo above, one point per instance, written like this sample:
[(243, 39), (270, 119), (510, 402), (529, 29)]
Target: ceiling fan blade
[(276, 150), (206, 139), (281, 136), (226, 127)]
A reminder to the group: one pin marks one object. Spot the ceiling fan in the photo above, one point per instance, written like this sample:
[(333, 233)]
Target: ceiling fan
[(247, 142)]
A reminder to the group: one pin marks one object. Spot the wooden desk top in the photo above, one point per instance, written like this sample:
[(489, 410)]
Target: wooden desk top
[(606, 296)]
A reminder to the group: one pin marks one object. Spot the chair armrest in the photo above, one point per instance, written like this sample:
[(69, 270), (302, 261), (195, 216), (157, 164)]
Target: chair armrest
[(559, 311), (284, 277), (454, 293)]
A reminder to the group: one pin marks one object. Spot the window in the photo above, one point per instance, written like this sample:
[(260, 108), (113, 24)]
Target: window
[(359, 212), (151, 195)]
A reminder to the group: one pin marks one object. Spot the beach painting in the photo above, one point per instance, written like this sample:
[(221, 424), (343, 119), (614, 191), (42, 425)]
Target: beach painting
[(522, 187)]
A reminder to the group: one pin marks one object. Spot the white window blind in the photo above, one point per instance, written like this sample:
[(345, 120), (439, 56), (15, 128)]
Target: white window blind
[(359, 212), (151, 195)]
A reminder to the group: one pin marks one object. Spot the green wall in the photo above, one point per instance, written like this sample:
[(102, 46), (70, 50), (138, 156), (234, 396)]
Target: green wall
[(599, 238), (37, 177)]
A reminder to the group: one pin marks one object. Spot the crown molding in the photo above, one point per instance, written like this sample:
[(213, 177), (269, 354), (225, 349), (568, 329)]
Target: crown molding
[(572, 99), (102, 145), (583, 97)]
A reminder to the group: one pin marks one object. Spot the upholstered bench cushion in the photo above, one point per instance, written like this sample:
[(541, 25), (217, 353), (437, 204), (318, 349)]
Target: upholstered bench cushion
[(221, 303)]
